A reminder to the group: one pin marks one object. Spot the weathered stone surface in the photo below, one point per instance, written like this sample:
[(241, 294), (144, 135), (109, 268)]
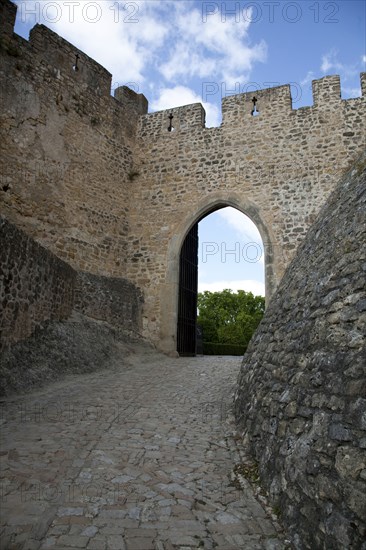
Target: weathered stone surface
[(314, 464), (113, 300)]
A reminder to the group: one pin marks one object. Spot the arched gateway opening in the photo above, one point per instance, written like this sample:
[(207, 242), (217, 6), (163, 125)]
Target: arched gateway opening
[(188, 285), (169, 289)]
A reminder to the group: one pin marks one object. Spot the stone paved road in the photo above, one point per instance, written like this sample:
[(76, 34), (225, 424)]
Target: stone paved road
[(136, 457)]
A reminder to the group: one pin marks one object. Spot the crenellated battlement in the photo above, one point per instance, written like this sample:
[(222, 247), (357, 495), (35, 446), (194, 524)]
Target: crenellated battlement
[(68, 59), (271, 104), (169, 121), (70, 66), (277, 101), (131, 99), (8, 13), (269, 100), (73, 68), (326, 92)]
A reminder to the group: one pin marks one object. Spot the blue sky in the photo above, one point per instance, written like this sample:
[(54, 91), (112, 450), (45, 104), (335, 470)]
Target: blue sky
[(180, 52)]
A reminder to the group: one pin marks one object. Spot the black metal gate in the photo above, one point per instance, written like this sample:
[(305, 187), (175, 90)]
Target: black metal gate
[(188, 283)]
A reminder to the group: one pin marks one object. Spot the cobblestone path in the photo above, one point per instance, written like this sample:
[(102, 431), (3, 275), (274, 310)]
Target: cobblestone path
[(137, 457)]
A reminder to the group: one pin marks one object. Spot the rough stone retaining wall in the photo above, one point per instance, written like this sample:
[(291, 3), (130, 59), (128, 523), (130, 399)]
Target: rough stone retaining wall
[(301, 398), (113, 300), (35, 285), (54, 320)]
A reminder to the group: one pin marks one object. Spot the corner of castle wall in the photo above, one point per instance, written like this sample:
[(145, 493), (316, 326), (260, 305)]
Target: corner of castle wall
[(269, 102), (131, 99), (363, 84), (65, 57), (326, 91), (175, 120), (187, 116), (8, 13), (276, 102)]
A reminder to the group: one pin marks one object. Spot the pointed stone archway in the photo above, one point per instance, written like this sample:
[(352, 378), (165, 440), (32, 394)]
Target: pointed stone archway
[(170, 340)]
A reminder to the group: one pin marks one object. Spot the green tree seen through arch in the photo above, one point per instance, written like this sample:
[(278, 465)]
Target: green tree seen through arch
[(229, 317)]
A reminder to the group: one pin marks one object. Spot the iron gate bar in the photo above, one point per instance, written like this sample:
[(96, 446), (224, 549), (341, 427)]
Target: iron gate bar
[(188, 289)]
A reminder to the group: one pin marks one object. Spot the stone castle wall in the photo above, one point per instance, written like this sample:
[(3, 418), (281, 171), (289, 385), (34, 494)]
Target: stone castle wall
[(301, 396), (35, 286), (278, 168), (106, 187), (66, 148)]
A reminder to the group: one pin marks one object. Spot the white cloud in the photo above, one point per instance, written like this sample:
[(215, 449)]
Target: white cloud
[(244, 227), (249, 285), (349, 73), (181, 95), (308, 78), (184, 62), (217, 48), (352, 92), (141, 41), (331, 64), (246, 230), (123, 40)]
